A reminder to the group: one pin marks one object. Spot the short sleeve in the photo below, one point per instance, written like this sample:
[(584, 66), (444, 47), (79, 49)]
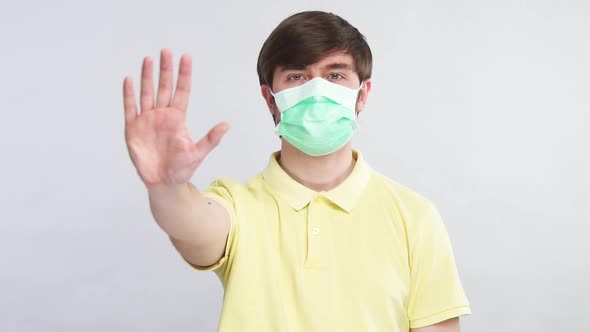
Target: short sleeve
[(436, 291), (220, 191)]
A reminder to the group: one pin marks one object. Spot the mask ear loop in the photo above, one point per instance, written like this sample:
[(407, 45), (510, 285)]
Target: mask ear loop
[(274, 105), (357, 99), (276, 109), (274, 114), (274, 119)]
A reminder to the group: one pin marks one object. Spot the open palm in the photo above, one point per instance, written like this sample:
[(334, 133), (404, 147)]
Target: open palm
[(158, 141)]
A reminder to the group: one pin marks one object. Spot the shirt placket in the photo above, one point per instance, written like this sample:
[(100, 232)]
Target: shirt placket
[(315, 216)]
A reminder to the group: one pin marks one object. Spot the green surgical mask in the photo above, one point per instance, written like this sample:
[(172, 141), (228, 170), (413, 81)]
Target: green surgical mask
[(318, 117)]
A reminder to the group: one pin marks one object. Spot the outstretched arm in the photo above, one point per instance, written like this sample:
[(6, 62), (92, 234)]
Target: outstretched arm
[(166, 157)]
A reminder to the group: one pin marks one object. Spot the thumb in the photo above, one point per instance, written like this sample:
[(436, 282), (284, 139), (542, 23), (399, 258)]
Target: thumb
[(212, 139)]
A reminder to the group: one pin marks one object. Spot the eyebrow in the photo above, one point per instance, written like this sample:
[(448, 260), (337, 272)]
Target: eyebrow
[(337, 65), (291, 67)]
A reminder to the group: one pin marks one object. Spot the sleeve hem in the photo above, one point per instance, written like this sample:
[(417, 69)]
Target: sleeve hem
[(439, 317), (207, 268)]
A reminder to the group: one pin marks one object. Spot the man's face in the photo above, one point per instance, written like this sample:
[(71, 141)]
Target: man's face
[(337, 68)]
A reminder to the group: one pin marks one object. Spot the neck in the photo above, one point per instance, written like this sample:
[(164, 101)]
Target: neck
[(321, 173)]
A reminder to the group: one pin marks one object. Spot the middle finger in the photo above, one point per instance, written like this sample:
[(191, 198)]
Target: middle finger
[(166, 77)]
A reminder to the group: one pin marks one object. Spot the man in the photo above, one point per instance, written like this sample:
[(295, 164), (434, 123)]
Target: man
[(318, 241)]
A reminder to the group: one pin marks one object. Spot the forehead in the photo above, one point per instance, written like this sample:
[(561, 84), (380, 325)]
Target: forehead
[(336, 58)]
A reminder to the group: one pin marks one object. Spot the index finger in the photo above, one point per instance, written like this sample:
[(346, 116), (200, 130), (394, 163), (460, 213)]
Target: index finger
[(183, 85)]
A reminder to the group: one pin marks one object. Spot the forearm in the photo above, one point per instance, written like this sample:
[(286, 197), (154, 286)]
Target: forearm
[(179, 210)]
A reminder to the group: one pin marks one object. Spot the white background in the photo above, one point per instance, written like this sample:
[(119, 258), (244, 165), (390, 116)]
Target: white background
[(481, 106)]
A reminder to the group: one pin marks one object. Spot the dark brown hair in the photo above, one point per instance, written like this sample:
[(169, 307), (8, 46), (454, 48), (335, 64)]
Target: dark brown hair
[(307, 37)]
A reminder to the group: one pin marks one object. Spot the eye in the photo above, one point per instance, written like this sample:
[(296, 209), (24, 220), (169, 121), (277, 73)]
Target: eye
[(295, 77), (336, 76)]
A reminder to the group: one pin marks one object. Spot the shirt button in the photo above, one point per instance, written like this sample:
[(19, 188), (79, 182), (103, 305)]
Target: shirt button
[(316, 231)]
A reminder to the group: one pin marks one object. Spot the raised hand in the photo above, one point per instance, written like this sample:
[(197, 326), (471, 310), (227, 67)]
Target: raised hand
[(158, 141)]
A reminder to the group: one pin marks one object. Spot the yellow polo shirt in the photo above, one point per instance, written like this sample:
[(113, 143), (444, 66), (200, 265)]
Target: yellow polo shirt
[(368, 255)]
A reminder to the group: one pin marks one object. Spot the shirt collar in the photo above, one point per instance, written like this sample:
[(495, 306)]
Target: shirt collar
[(345, 195)]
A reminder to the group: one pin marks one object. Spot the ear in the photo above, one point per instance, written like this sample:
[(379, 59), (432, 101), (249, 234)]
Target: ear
[(270, 100), (270, 103), (363, 95)]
